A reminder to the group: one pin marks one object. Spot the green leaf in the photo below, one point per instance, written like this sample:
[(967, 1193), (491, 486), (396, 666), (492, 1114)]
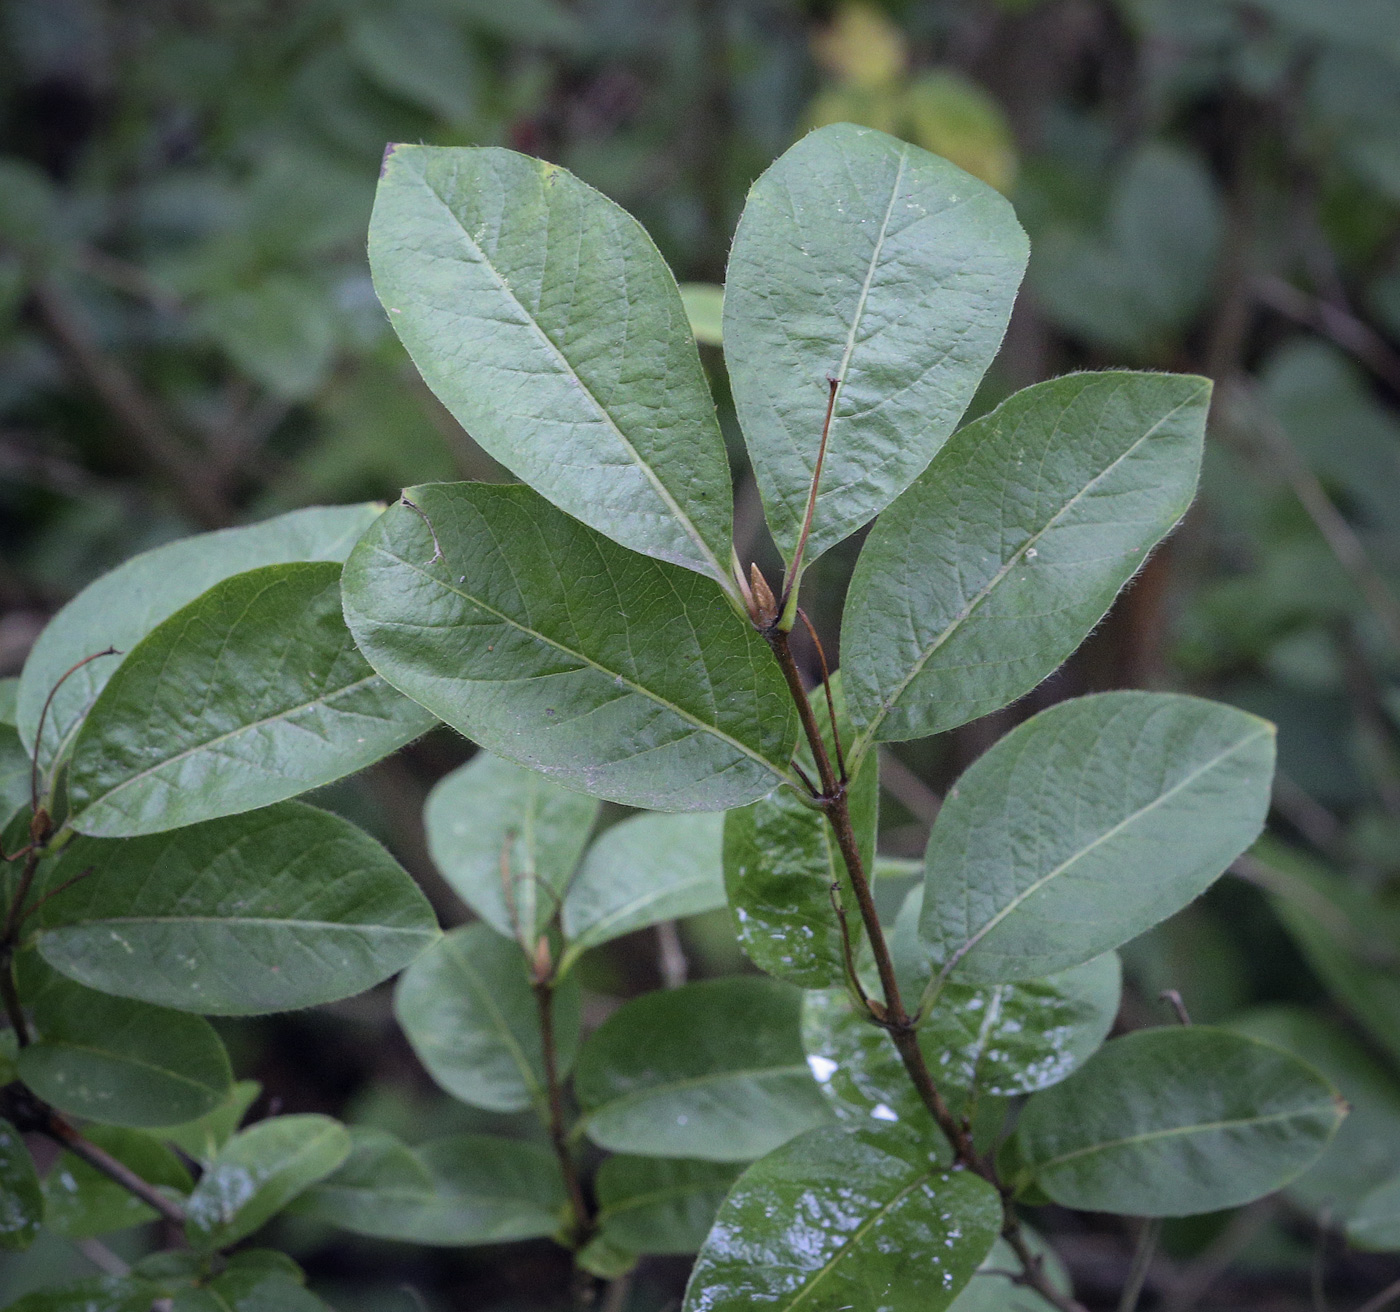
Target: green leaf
[(704, 309), (646, 869), (547, 322), (1174, 1122), (21, 1203), (117, 1061), (833, 1219), (1002, 556), (619, 676), (120, 608), (1375, 1224), (285, 907), (999, 1040), (202, 1138), (251, 694), (249, 1291), (713, 1071), (1087, 825), (492, 816), (467, 1008), (1366, 1150), (990, 1290), (81, 1202), (258, 1172), (14, 774), (100, 1294), (467, 1189), (656, 1205), (865, 260), (781, 863), (417, 52)]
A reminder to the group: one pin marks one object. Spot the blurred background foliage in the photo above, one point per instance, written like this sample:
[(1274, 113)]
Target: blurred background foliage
[(188, 338)]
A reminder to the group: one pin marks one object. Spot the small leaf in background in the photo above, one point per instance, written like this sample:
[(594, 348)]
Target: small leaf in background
[(121, 607), (201, 1139), (508, 841), (1365, 1152), (1135, 285), (281, 332), (465, 1189), (1375, 1224), (468, 1010), (861, 46), (866, 260), (417, 52), (846, 1219), (251, 694), (116, 1061), (80, 1202), (285, 907), (614, 425), (249, 1291), (1175, 1122), (21, 1202), (646, 869), (1002, 556), (990, 1290), (949, 114), (781, 863), (660, 1205), (713, 1071), (258, 1172), (616, 675), (1086, 825), (704, 309)]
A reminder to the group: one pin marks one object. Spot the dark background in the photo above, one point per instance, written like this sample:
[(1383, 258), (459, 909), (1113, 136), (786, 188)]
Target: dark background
[(189, 339)]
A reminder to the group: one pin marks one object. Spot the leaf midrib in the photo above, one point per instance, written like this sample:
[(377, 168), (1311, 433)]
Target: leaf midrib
[(275, 921), (106, 1054), (1238, 745), (1174, 1132), (618, 678), (693, 1082), (662, 491), (888, 703)]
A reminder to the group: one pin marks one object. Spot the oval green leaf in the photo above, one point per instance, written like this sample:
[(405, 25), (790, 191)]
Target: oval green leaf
[(1175, 1122), (865, 260), (1087, 825), (660, 1205), (489, 262), (861, 1219), (120, 608), (251, 694), (613, 674), (1375, 1224), (258, 1172), (21, 1202), (80, 1202), (713, 1071), (467, 1008), (645, 869), (285, 907), (507, 840), (466, 1189), (1002, 556)]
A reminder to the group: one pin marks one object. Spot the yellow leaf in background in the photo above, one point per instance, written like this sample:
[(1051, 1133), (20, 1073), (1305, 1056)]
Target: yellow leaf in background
[(704, 307), (952, 116), (883, 108), (861, 47)]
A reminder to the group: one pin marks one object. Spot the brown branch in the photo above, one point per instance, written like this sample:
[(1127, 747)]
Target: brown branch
[(57, 1129), (159, 446), (558, 1131)]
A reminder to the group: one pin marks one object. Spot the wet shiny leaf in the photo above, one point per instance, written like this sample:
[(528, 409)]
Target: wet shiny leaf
[(21, 1203)]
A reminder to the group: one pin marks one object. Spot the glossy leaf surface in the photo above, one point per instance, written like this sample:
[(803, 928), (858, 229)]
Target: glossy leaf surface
[(833, 1219), (286, 907), (466, 1189), (507, 840), (120, 608), (619, 676), (996, 563), (251, 694), (81, 1202), (120, 1062), (547, 322), (660, 1205), (713, 1071), (258, 1172), (645, 869), (21, 1203), (467, 1008), (866, 260), (1173, 1122), (1087, 825)]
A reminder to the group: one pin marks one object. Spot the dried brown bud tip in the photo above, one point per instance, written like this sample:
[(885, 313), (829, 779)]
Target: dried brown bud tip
[(765, 603)]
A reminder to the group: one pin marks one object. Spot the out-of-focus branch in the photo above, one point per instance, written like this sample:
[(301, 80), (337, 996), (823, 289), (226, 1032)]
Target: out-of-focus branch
[(1342, 327), (159, 446), (908, 789)]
